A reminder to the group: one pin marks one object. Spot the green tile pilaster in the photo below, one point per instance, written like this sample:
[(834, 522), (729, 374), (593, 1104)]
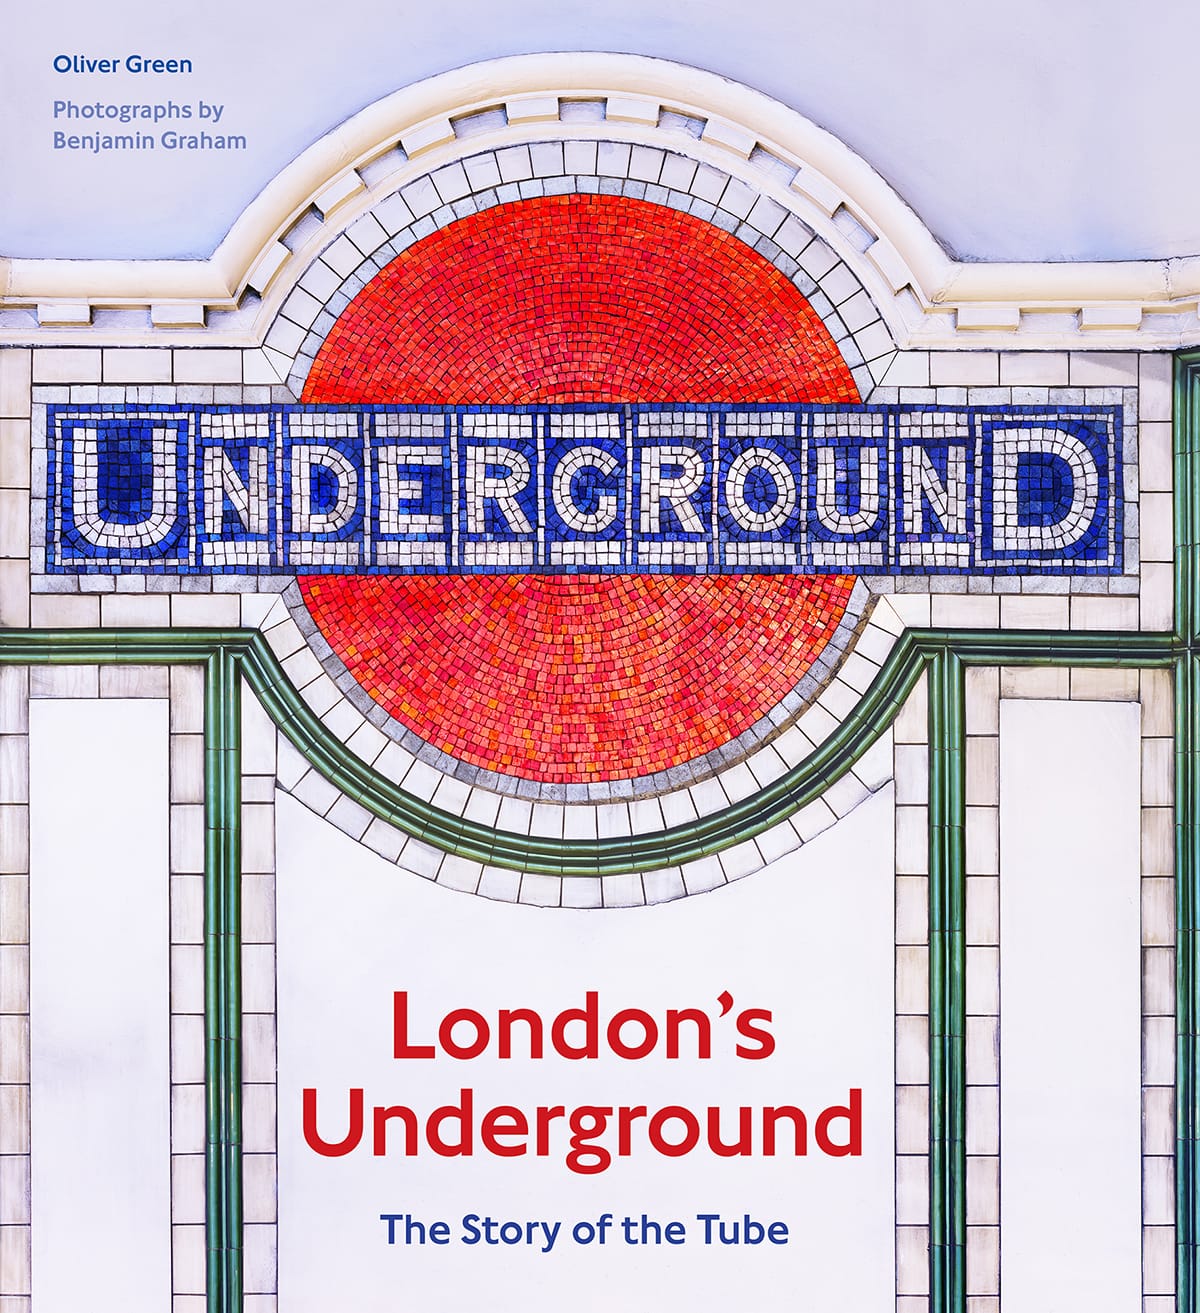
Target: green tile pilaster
[(1187, 496), (1187, 1113), (222, 981), (1187, 830), (947, 986)]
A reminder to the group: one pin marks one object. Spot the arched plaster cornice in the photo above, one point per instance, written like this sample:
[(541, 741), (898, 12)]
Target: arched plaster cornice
[(927, 299)]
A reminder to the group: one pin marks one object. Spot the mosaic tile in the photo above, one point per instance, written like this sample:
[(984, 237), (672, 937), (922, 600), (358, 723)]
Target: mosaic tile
[(578, 299), (684, 489), (590, 385), (575, 678)]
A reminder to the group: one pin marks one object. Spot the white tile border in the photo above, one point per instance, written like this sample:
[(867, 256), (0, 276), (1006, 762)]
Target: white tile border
[(669, 174), (259, 1084), (14, 990)]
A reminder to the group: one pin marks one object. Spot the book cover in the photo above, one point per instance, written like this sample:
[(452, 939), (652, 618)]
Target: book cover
[(596, 661)]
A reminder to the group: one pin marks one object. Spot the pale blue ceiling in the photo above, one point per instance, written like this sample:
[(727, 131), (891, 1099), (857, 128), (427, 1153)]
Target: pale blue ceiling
[(1024, 130)]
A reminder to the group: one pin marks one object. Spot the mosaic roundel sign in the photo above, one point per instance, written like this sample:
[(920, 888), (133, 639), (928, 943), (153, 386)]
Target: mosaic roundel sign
[(580, 678)]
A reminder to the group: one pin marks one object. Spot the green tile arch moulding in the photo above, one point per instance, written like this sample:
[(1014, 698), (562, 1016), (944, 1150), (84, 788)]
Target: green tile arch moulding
[(230, 656)]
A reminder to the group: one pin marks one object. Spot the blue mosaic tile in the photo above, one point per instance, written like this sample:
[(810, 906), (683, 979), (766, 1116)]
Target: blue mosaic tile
[(680, 489)]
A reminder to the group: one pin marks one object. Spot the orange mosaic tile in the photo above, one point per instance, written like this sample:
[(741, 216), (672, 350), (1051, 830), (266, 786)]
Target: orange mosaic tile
[(570, 679), (566, 678), (575, 299)]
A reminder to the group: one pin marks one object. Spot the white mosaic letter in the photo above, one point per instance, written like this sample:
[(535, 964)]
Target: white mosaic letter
[(760, 458), (395, 490), (657, 487), (948, 500), (305, 520), (91, 523), (250, 499), (825, 503), (504, 489), (1008, 534), (585, 458)]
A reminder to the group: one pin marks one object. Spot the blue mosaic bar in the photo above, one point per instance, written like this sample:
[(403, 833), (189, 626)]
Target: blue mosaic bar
[(183, 489)]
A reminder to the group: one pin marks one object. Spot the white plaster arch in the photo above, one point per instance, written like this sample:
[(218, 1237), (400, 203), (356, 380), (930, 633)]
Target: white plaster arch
[(926, 299), (667, 173)]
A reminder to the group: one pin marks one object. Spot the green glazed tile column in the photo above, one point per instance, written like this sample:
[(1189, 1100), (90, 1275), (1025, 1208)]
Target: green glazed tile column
[(947, 986), (1187, 1112), (222, 981), (1187, 829)]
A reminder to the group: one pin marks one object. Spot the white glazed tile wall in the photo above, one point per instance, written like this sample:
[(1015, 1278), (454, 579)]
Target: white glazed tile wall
[(15, 475), (911, 734), (14, 991), (184, 686), (983, 980), (260, 1167), (1153, 689)]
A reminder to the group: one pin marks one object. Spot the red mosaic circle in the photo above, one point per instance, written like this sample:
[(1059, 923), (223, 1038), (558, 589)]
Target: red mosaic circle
[(574, 299)]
